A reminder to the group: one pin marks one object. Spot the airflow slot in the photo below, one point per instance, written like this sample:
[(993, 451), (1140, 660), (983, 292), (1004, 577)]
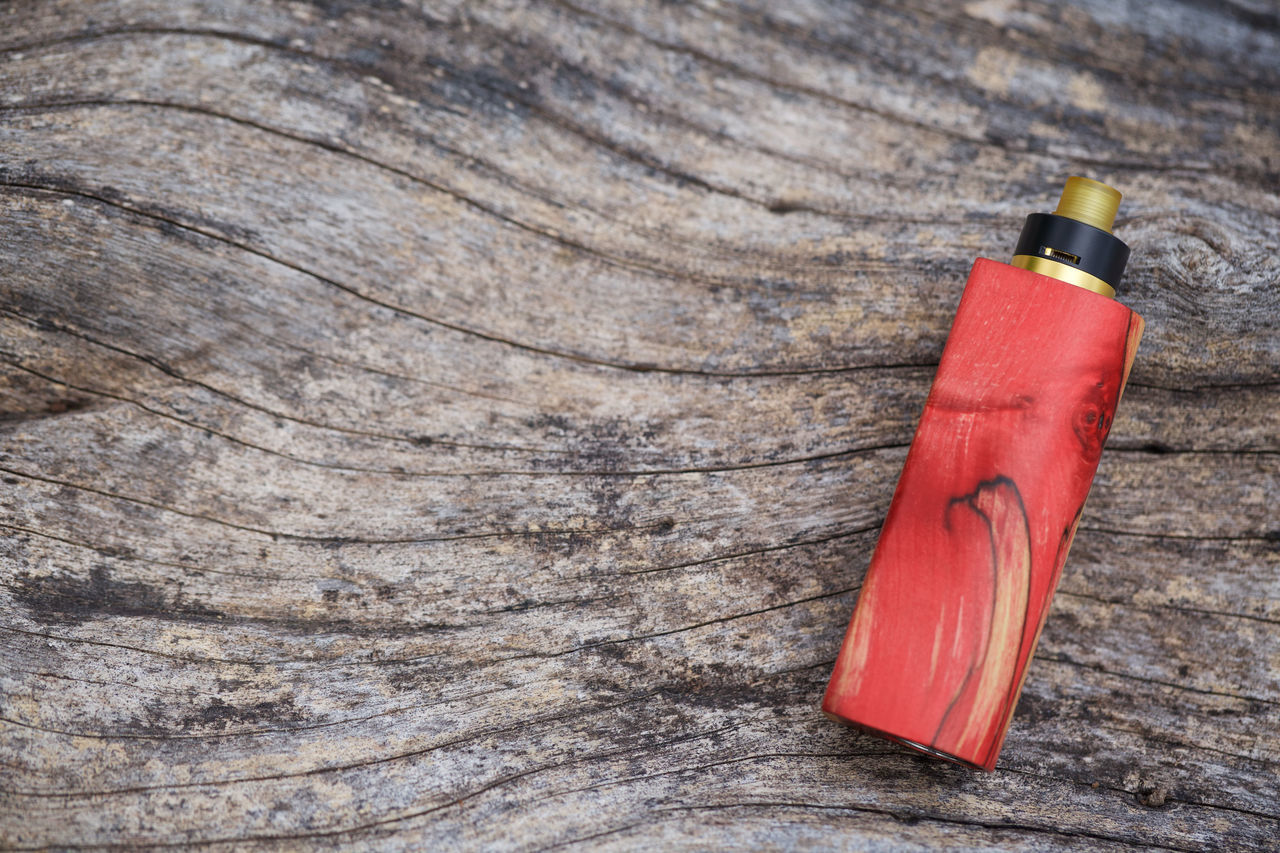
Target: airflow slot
[(1059, 255)]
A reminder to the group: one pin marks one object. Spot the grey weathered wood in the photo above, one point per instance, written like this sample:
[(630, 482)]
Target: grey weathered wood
[(458, 426)]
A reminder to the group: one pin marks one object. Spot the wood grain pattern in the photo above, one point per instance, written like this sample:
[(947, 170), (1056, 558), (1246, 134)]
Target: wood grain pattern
[(456, 426), (981, 521)]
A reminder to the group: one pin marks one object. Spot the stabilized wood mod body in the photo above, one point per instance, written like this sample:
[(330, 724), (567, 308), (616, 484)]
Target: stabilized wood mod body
[(993, 486)]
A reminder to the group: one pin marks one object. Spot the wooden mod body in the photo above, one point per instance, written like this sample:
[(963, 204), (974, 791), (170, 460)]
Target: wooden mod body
[(979, 527)]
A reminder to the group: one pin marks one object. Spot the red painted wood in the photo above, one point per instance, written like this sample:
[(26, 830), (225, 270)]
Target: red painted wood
[(983, 516)]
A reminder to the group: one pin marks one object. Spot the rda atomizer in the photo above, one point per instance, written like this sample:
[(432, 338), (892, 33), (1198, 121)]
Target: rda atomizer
[(992, 489)]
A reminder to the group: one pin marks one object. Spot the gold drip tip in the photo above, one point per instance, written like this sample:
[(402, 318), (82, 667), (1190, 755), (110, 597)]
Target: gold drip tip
[(1091, 202)]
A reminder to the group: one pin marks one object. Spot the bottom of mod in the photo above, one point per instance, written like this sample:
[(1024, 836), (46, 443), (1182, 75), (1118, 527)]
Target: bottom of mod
[(912, 745)]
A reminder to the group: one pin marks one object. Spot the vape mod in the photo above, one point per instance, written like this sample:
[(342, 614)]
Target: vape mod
[(992, 489)]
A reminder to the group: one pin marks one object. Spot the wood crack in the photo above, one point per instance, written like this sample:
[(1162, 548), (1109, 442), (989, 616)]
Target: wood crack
[(895, 118), (401, 473), (1159, 682), (632, 367), (918, 816)]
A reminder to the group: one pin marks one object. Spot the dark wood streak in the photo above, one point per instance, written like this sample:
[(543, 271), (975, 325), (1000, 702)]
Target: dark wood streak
[(970, 500)]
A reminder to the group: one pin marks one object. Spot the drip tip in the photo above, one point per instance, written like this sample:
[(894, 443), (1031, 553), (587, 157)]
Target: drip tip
[(1088, 201)]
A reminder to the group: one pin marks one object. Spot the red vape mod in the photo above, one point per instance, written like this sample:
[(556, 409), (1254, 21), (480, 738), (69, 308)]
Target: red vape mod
[(992, 489)]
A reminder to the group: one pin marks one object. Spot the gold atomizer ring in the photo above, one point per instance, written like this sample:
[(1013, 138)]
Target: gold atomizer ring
[(1064, 272)]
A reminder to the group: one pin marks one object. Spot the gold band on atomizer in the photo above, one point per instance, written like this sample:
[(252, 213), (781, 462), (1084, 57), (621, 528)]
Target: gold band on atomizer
[(1063, 272)]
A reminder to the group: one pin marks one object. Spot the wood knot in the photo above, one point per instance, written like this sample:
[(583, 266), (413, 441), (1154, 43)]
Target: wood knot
[(1153, 796)]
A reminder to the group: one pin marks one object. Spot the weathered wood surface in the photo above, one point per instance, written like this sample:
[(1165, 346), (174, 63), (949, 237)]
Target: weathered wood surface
[(440, 426)]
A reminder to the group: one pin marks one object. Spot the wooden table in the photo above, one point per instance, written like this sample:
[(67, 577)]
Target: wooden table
[(456, 426)]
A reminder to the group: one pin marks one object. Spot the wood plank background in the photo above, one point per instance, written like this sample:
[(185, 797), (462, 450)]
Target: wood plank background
[(439, 425)]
